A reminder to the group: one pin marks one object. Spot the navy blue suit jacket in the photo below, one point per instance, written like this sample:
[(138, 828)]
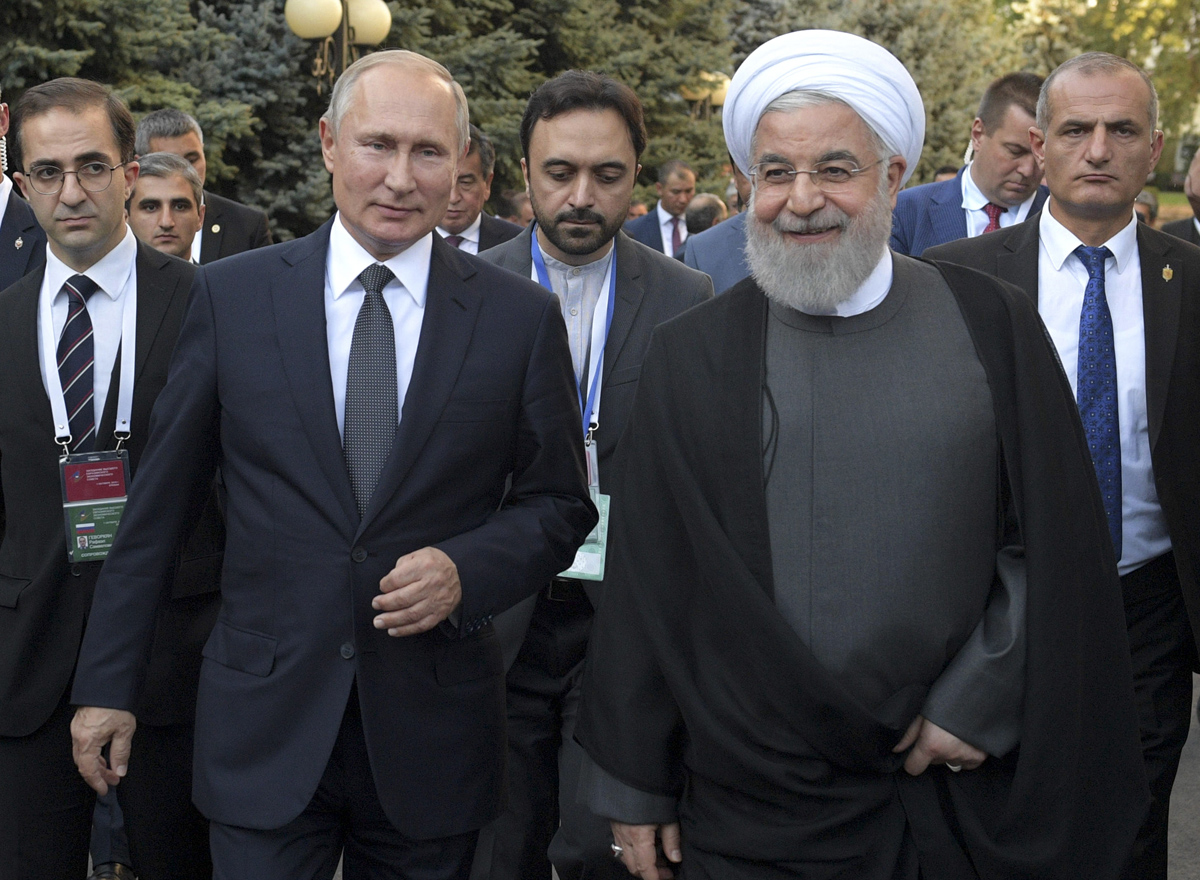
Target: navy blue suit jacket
[(22, 241), (646, 230), (492, 399), (932, 214), (720, 252)]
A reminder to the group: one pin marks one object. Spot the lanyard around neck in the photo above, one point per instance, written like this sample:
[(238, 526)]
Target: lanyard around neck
[(126, 353), (590, 410)]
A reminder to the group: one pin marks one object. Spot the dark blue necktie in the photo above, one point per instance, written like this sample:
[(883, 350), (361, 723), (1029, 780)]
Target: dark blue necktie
[(1097, 387), (372, 410), (76, 359)]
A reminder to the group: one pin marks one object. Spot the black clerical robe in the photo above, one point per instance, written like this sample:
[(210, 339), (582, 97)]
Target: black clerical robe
[(698, 689)]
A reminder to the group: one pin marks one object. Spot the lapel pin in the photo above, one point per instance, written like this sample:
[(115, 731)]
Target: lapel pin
[(216, 227), (19, 243), (1168, 273)]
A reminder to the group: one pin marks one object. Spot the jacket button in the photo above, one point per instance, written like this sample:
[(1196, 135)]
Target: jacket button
[(359, 554), (347, 651), (76, 569)]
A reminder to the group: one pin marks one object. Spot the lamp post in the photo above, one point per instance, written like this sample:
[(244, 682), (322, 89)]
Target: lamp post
[(709, 97), (354, 22)]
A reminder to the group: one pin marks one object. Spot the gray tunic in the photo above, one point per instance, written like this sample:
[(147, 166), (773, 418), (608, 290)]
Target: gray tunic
[(880, 452)]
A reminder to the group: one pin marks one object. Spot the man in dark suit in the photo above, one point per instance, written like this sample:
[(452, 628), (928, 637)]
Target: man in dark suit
[(582, 134), (22, 242), (465, 225), (229, 227), (1189, 229), (1122, 304), (664, 228), (998, 189), (77, 164), (397, 433)]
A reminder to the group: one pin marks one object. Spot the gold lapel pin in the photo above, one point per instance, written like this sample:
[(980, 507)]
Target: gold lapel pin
[(19, 243), (1168, 273), (216, 227)]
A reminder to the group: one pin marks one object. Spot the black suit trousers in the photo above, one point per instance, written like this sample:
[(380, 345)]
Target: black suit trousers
[(1163, 653), (45, 806), (543, 822)]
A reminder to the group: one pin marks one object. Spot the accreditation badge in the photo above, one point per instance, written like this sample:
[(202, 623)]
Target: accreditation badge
[(94, 490), (589, 559)]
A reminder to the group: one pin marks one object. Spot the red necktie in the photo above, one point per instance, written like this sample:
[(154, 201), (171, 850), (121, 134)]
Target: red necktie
[(993, 212), (676, 237), (454, 240)]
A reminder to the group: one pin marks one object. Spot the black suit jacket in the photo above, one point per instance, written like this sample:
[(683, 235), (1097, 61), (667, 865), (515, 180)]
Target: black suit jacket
[(494, 231), (1185, 229), (491, 404), (651, 289), (231, 228), (22, 241), (44, 598), (645, 229), (1171, 308)]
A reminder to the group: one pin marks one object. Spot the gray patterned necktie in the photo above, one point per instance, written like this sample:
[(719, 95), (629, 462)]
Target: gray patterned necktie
[(372, 412)]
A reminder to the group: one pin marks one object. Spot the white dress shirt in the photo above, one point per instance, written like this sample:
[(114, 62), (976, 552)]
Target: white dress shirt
[(470, 236), (1061, 282), (667, 230), (974, 200), (6, 187), (116, 275), (196, 238), (344, 295)]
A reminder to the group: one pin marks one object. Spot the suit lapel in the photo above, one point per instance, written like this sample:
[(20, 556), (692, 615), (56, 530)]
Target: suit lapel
[(1017, 260), (451, 308), (298, 300), (946, 216), (25, 330), (1161, 303), (210, 241), (629, 300), (156, 286)]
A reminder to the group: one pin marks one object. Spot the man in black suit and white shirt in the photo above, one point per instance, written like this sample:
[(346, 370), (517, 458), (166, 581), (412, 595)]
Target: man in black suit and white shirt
[(1189, 229), (466, 225), (103, 297), (396, 427), (22, 242), (229, 227), (1121, 302)]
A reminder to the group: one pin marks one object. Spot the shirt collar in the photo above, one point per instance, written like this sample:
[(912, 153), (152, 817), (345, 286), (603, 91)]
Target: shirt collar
[(5, 188), (599, 266), (1061, 242), (664, 216), (347, 259), (110, 272), (471, 233)]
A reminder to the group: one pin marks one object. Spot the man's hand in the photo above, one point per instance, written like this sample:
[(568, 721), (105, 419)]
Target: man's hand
[(92, 729), (934, 745), (638, 854), (418, 594)]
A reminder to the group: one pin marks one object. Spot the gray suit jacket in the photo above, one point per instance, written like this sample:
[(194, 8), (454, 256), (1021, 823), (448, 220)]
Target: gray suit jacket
[(720, 252), (651, 288)]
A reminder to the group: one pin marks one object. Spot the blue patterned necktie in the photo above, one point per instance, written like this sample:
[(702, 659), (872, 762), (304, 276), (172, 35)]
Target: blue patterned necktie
[(1096, 387), (372, 411), (76, 356)]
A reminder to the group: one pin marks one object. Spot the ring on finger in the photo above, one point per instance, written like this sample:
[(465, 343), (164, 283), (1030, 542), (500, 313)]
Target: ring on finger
[(953, 768), (617, 850)]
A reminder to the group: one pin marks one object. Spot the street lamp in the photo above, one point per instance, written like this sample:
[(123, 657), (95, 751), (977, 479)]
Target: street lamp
[(709, 96), (356, 23)]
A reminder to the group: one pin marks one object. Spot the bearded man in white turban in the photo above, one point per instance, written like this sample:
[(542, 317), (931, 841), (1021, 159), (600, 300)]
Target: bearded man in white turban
[(861, 619)]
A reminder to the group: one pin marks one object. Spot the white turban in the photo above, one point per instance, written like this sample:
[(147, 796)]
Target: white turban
[(862, 74)]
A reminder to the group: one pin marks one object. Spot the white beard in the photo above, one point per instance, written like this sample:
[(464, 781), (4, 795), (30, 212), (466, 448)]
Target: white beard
[(817, 278)]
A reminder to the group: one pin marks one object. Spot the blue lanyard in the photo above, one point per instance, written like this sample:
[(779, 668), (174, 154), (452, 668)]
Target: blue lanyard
[(544, 278)]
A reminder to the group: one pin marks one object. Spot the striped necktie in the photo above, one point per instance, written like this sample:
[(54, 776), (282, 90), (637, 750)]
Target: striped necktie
[(76, 360)]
